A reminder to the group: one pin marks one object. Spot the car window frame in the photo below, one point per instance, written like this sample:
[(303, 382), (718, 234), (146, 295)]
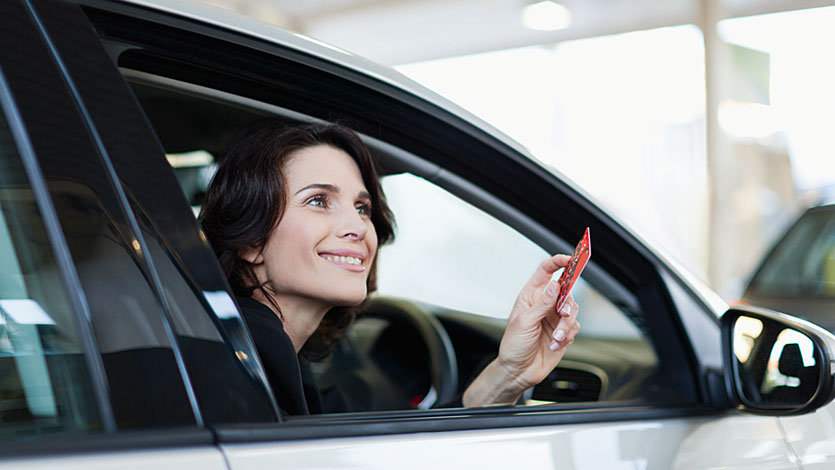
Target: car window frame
[(202, 68)]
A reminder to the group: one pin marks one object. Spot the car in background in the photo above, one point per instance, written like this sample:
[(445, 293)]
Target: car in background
[(122, 346), (797, 276)]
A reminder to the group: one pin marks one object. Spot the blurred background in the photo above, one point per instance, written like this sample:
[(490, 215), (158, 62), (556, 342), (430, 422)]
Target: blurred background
[(708, 126)]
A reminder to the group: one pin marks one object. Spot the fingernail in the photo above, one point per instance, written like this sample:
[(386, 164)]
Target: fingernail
[(552, 288), (554, 345), (559, 335), (566, 310)]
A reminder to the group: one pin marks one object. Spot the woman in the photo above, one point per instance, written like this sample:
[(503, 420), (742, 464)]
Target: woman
[(296, 216)]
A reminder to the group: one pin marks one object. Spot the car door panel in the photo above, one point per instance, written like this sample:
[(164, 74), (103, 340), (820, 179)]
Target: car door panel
[(205, 458), (731, 442), (812, 437)]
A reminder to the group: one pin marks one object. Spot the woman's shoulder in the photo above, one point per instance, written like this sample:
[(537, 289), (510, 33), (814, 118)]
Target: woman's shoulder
[(254, 311), (264, 326), (277, 355)]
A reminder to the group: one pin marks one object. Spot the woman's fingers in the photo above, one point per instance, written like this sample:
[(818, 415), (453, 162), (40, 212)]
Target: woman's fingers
[(547, 268), (564, 332), (567, 339)]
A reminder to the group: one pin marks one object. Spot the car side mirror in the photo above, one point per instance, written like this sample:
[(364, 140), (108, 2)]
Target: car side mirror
[(776, 364)]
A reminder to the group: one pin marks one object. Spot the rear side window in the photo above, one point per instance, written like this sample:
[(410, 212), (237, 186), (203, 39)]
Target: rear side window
[(44, 384)]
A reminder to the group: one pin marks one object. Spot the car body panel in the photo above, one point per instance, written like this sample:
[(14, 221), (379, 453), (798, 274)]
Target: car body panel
[(731, 442), (812, 438), (196, 458)]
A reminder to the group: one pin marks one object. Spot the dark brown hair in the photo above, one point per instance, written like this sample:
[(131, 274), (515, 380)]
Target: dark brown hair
[(246, 201)]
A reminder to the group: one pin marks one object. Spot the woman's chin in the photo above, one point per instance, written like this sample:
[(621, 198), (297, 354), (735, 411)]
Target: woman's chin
[(349, 299)]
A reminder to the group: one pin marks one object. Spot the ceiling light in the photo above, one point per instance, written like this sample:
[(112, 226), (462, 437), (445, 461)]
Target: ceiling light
[(546, 16)]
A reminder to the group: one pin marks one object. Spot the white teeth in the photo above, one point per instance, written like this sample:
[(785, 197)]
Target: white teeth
[(344, 260)]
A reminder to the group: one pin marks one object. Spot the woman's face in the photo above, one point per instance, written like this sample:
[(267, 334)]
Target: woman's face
[(322, 249)]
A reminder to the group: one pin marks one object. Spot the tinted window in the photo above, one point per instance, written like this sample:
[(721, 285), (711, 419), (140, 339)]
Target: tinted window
[(44, 384), (136, 344), (209, 332), (803, 263), (225, 375)]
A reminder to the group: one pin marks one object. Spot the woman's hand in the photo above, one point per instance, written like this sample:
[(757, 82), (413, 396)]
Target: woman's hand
[(534, 341)]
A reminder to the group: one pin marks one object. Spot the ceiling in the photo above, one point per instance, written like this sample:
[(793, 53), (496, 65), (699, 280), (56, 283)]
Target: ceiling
[(396, 32)]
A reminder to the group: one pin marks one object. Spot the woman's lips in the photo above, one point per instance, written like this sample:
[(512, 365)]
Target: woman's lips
[(345, 259)]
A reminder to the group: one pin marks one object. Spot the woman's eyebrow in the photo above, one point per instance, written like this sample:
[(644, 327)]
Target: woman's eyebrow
[(327, 187), (333, 189)]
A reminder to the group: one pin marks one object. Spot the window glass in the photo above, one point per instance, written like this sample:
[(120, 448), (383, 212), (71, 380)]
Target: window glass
[(803, 263), (217, 356), (144, 375), (146, 385), (44, 384), (217, 350)]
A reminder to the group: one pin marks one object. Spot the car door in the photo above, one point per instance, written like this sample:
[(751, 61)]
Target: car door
[(91, 377), (170, 52)]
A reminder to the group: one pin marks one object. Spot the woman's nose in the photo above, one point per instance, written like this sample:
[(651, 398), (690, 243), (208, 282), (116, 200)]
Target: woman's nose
[(352, 225)]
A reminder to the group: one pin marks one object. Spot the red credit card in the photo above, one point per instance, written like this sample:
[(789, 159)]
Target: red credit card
[(571, 273)]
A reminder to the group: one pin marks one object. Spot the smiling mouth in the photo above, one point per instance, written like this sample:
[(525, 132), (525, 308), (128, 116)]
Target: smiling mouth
[(343, 260), (351, 263)]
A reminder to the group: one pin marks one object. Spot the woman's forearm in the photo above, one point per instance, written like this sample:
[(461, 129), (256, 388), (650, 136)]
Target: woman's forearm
[(495, 385)]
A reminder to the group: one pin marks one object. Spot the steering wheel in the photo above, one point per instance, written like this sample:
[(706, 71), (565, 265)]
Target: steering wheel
[(379, 374)]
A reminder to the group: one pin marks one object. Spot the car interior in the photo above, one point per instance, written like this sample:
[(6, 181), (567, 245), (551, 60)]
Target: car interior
[(407, 352)]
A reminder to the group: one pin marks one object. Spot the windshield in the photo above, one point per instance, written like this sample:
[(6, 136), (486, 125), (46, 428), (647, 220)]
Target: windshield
[(803, 262)]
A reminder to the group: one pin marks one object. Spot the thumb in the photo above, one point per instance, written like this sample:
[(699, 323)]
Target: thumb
[(548, 298)]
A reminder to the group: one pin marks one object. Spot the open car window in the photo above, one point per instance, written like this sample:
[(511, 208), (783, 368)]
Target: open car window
[(455, 261), (467, 267), (451, 254)]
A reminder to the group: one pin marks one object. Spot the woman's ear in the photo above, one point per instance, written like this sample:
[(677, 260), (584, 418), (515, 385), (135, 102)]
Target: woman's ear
[(252, 254)]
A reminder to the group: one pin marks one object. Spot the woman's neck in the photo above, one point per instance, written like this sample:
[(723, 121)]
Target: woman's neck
[(301, 317)]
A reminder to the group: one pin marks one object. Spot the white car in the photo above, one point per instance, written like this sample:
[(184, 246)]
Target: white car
[(121, 346)]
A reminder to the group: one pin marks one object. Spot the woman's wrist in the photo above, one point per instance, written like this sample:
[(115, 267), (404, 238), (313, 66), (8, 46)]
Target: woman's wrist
[(497, 384)]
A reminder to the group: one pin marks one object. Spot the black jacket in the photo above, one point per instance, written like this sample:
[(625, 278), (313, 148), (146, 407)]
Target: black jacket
[(290, 377)]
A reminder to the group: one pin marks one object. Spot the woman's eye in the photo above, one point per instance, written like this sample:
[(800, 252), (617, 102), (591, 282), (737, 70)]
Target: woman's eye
[(364, 209), (317, 201)]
